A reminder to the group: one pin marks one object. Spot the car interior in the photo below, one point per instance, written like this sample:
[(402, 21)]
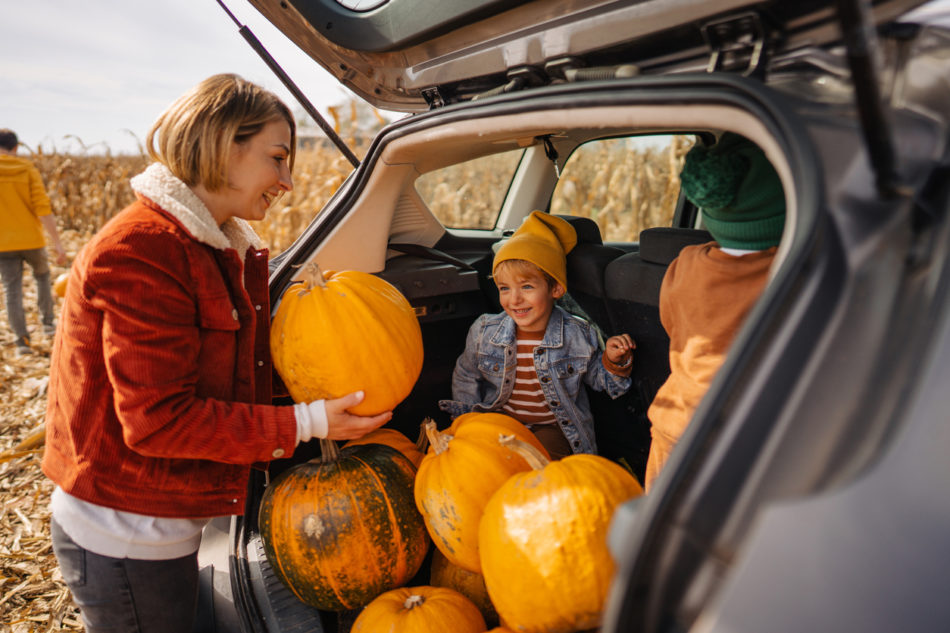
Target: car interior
[(445, 272)]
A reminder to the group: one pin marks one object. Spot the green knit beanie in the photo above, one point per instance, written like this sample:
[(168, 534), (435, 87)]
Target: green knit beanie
[(738, 192)]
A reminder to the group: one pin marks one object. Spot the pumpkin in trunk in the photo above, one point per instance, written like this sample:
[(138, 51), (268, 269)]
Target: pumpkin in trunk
[(461, 471), (340, 332), (543, 541), (420, 610), (442, 573), (341, 529), (415, 451)]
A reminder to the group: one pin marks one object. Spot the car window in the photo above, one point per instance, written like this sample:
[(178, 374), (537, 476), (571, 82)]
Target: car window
[(624, 184), (469, 195)]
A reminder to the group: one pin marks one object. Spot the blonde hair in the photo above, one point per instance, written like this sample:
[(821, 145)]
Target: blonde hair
[(193, 136), (524, 268)]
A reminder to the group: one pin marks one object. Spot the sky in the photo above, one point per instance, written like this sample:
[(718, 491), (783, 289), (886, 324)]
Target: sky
[(93, 76)]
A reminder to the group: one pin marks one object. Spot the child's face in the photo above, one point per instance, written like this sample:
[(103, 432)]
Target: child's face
[(527, 298)]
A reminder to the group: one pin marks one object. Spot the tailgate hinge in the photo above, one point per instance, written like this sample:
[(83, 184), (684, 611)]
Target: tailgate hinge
[(736, 42), (433, 97)]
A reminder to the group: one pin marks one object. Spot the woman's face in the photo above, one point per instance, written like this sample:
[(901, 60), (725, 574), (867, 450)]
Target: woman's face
[(258, 172)]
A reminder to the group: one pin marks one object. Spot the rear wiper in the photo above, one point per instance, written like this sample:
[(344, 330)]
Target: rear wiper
[(292, 87)]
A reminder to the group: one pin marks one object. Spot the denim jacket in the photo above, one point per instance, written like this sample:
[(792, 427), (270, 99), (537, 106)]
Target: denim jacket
[(567, 357)]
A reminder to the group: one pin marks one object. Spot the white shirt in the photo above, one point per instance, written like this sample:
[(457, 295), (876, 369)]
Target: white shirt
[(119, 534)]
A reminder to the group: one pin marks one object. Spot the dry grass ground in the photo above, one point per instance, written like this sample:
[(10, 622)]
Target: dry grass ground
[(33, 597)]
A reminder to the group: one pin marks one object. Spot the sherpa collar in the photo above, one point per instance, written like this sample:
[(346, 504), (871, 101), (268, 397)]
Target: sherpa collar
[(158, 184)]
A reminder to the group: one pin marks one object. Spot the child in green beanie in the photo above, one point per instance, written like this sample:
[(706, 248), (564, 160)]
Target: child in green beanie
[(709, 289), (532, 360)]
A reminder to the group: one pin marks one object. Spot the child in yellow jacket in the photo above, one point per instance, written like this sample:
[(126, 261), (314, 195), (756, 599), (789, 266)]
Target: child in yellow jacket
[(709, 288)]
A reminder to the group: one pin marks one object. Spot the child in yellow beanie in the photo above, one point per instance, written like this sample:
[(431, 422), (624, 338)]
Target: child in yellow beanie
[(708, 289), (532, 360)]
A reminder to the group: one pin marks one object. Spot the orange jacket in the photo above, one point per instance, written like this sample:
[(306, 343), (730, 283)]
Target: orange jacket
[(162, 353)]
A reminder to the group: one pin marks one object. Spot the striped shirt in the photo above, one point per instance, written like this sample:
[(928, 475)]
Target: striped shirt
[(527, 403)]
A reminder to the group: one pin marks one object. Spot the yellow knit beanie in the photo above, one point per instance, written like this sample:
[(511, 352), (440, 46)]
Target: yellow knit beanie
[(543, 240)]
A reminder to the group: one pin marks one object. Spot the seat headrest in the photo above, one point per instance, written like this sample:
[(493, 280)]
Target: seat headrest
[(661, 245), (587, 230)]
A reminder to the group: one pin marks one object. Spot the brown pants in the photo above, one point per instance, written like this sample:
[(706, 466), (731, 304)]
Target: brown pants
[(553, 440)]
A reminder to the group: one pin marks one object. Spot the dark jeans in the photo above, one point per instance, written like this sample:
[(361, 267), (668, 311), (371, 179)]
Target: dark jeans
[(124, 595)]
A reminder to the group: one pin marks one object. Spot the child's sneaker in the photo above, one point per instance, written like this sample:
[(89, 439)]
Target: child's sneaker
[(49, 330)]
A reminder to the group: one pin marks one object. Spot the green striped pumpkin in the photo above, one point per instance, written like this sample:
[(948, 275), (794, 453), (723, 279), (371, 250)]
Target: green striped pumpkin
[(341, 529)]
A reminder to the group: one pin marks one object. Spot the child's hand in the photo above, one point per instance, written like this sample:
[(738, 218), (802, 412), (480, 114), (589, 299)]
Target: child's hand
[(619, 349)]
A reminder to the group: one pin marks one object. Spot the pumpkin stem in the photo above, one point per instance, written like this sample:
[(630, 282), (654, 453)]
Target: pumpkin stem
[(422, 442), (438, 441), (415, 600), (530, 454), (329, 451), (312, 276)]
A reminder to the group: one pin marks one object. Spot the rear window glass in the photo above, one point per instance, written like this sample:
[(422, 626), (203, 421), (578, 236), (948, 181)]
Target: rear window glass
[(469, 195), (624, 184)]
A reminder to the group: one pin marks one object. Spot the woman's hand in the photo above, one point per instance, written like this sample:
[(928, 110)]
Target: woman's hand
[(342, 425)]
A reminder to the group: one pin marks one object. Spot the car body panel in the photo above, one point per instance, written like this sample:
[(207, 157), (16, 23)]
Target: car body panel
[(394, 58)]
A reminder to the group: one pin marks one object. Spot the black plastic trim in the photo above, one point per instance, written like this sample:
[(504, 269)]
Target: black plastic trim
[(395, 24)]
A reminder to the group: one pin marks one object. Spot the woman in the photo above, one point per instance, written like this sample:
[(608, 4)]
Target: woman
[(161, 378)]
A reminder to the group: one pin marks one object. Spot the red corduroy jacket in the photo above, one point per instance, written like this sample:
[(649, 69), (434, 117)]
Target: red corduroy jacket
[(161, 366)]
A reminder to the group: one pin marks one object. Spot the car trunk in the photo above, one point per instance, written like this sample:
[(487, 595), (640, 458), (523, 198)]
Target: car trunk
[(782, 340)]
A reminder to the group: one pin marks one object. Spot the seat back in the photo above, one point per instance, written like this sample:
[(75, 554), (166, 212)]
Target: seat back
[(632, 287), (586, 265), (632, 296)]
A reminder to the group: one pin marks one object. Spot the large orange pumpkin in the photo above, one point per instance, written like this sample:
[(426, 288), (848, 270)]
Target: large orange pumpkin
[(442, 573), (420, 610), (543, 541), (415, 451), (463, 468), (341, 529), (337, 333)]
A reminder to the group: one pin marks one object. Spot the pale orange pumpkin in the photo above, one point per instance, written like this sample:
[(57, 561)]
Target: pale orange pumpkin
[(336, 333), (420, 610), (463, 468), (415, 451), (543, 541), (442, 573)]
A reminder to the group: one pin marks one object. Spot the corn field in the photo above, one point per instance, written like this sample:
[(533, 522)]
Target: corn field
[(623, 189)]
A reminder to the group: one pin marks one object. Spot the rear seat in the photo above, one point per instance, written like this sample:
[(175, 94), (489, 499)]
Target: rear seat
[(586, 267), (620, 292), (632, 287), (632, 295)]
